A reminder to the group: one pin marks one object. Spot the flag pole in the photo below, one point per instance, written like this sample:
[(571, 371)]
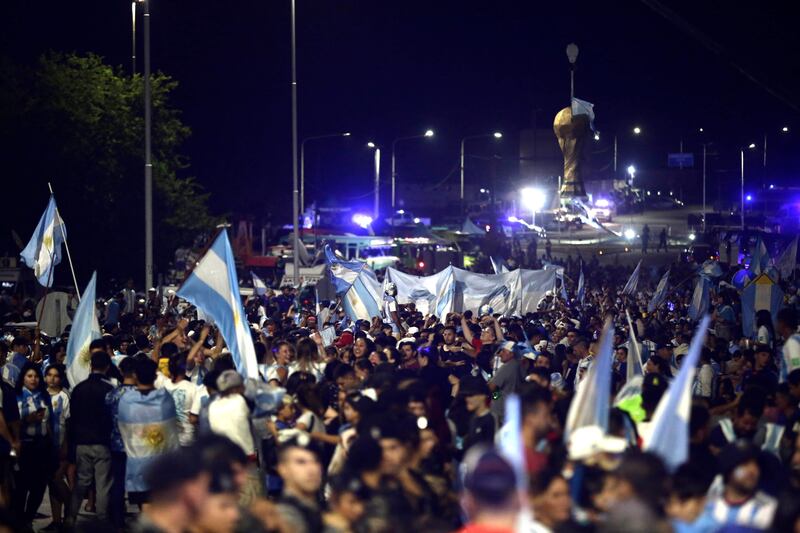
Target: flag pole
[(38, 332), (69, 256)]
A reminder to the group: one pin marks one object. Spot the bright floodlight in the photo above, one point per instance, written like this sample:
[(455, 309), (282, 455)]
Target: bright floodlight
[(701, 130), (749, 197), (512, 218), (416, 220), (631, 170), (429, 133), (370, 144), (533, 199), (497, 135), (637, 130), (346, 134), (629, 234), (602, 202), (785, 129), (362, 220), (597, 136), (692, 236), (752, 145)]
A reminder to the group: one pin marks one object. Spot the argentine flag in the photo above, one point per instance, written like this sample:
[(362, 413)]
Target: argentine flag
[(581, 292), (214, 289), (148, 425), (259, 286), (498, 265), (43, 251), (661, 293), (591, 402), (633, 281), (582, 107), (669, 438), (700, 299), (356, 284), (85, 329)]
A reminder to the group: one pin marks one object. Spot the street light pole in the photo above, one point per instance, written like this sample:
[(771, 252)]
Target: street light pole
[(133, 38), (496, 135), (303, 164), (376, 206), (704, 187), (615, 156), (148, 163), (572, 55), (295, 192), (741, 166), (428, 133)]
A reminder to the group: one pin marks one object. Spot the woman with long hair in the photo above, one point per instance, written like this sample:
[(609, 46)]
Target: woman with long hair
[(36, 434), (55, 378), (310, 357)]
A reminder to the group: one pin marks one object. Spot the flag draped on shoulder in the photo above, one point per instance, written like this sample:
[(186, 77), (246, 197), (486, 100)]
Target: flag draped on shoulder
[(85, 329), (590, 405), (214, 288), (633, 281), (669, 438), (149, 428), (43, 251), (356, 284), (259, 287), (661, 293)]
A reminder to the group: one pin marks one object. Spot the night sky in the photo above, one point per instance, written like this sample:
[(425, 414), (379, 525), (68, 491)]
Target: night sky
[(384, 69)]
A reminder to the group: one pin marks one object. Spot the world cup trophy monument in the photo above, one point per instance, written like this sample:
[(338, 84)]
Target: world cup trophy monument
[(571, 127)]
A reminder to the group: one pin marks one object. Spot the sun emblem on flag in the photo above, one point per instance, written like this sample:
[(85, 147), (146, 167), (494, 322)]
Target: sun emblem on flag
[(84, 355), (154, 437)]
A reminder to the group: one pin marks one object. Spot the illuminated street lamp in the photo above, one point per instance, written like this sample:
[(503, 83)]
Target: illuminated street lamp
[(632, 173), (496, 135), (785, 129), (637, 130), (377, 186), (534, 200)]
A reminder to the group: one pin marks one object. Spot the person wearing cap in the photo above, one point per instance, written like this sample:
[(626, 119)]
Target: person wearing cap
[(506, 380), (490, 500), (482, 423), (739, 502)]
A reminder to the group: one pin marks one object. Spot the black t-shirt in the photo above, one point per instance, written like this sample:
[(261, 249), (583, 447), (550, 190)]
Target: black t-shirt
[(481, 430), (10, 412)]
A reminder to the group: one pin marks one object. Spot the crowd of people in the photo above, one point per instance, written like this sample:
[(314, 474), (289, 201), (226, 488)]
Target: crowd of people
[(391, 424)]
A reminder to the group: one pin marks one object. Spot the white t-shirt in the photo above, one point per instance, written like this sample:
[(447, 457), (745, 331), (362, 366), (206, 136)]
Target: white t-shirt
[(200, 393), (183, 394), (229, 416), (317, 369)]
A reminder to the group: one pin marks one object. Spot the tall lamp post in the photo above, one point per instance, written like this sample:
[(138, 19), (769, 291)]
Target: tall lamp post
[(496, 135), (572, 55), (148, 163), (428, 133), (377, 187), (295, 191), (303, 163)]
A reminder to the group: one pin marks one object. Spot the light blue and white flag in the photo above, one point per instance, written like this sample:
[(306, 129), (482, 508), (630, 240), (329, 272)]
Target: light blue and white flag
[(759, 258), (711, 269), (581, 291), (787, 261), (510, 439), (760, 293), (148, 425), (633, 281), (214, 288), (259, 287), (498, 265), (633, 365), (85, 329), (700, 299), (669, 438), (590, 405), (357, 285), (661, 293), (43, 251), (582, 107)]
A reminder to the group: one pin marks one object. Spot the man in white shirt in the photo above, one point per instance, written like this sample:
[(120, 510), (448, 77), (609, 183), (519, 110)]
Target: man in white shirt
[(183, 392)]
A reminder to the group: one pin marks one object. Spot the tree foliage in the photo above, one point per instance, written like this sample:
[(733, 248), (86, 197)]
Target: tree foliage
[(78, 122)]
